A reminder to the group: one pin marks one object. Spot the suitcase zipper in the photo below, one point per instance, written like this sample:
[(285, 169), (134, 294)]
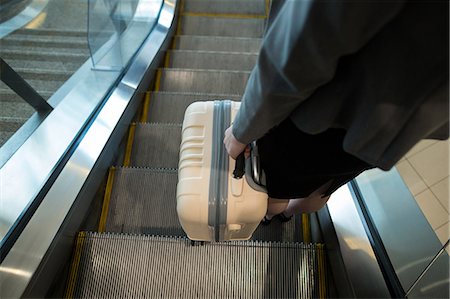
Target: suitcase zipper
[(218, 186)]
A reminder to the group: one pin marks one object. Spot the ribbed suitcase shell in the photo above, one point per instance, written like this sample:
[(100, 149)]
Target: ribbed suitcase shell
[(234, 216)]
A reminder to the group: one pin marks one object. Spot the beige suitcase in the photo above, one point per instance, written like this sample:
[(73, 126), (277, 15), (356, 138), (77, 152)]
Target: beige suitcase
[(212, 204)]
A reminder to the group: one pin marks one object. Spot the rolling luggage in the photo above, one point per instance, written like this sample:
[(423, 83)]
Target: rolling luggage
[(213, 204)]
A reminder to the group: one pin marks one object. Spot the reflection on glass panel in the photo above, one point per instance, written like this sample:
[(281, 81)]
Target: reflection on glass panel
[(117, 28), (408, 238)]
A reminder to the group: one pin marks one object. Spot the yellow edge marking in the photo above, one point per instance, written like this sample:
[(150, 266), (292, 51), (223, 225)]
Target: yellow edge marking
[(174, 43), (75, 265), (106, 199), (223, 15), (178, 30), (158, 79), (167, 59), (305, 228), (321, 271), (127, 158), (145, 108), (267, 7)]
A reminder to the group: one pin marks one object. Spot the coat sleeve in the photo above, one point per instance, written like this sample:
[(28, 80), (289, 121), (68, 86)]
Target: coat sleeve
[(300, 52)]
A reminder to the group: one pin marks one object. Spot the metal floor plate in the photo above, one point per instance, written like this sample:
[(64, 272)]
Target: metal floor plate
[(131, 266)]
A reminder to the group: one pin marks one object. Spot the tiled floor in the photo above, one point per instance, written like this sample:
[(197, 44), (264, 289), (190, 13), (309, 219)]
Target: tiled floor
[(425, 170)]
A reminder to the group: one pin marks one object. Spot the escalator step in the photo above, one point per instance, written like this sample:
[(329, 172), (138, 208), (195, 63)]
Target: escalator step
[(217, 43), (156, 145), (203, 81), (129, 266), (169, 107), (143, 200), (219, 26), (251, 7), (211, 60)]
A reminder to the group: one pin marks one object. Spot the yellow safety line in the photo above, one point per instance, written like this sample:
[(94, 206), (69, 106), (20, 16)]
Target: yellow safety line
[(158, 79), (127, 158), (167, 60), (106, 199), (267, 8), (321, 271), (75, 265), (145, 107), (223, 15), (306, 228), (180, 12)]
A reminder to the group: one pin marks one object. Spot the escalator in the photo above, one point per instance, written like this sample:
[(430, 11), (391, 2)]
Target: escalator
[(140, 249)]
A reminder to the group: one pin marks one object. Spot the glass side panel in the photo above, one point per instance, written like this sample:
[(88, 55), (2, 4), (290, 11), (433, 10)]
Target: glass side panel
[(49, 42), (45, 42), (117, 28), (407, 236)]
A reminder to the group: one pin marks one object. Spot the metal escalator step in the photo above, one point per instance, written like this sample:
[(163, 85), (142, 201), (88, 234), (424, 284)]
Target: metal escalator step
[(218, 43), (169, 107), (51, 32), (131, 266), (36, 41), (219, 26), (211, 60), (44, 65), (43, 75), (252, 7), (143, 200), (15, 109), (156, 145), (44, 55), (203, 81)]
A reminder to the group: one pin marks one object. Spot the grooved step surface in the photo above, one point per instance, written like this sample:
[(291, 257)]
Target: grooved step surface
[(15, 109), (156, 145), (218, 43), (45, 41), (43, 55), (167, 107), (204, 81), (219, 26), (252, 7), (127, 266), (144, 201), (44, 66), (211, 60)]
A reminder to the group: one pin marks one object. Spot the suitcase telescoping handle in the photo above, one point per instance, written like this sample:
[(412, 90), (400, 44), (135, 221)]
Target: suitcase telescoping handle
[(239, 169)]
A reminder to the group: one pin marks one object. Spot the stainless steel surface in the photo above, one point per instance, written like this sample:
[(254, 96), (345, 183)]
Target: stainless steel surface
[(212, 60), (359, 258), (249, 7), (28, 14), (222, 26), (425, 272), (156, 145), (217, 43), (408, 238), (200, 81), (169, 107), (25, 256), (120, 266), (143, 201)]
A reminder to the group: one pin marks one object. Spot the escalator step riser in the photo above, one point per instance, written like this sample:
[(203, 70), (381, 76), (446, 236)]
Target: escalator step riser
[(156, 145), (126, 266), (214, 43), (212, 60), (203, 81), (222, 26), (170, 107), (144, 201), (252, 7)]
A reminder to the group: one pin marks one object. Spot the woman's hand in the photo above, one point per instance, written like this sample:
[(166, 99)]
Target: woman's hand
[(233, 146)]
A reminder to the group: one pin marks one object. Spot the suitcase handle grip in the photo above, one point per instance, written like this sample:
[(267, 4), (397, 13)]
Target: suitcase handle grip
[(239, 169)]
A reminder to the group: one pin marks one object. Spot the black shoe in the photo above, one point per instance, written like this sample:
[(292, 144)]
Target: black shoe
[(284, 218), (266, 221)]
